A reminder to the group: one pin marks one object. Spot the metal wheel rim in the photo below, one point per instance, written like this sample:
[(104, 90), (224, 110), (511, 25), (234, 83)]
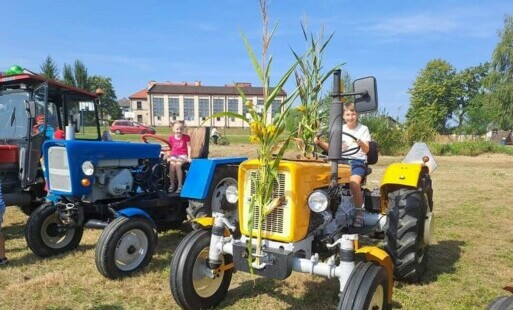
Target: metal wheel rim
[(58, 240), (377, 298), (429, 228), (131, 249), (203, 285), (217, 199)]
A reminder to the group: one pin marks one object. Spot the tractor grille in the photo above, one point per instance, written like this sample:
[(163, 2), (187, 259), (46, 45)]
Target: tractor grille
[(273, 223), (58, 169)]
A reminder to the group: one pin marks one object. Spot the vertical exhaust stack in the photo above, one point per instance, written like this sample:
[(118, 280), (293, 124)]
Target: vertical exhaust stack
[(335, 128)]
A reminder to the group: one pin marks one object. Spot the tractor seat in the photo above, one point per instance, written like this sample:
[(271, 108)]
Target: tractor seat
[(200, 138)]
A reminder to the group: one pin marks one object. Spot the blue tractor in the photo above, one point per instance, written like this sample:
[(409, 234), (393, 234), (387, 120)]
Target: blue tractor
[(121, 187)]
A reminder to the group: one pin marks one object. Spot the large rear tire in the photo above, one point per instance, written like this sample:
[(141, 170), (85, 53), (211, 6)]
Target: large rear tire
[(125, 246), (190, 286), (405, 235), (366, 288), (46, 237), (224, 179), (501, 303)]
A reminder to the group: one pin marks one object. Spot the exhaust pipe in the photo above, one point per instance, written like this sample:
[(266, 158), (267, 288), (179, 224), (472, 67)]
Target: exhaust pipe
[(96, 224), (335, 129)]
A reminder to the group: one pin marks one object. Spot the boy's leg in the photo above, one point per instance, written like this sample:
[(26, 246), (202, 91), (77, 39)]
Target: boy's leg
[(354, 183)]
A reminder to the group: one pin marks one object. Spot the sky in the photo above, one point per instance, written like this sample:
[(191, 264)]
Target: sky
[(134, 42)]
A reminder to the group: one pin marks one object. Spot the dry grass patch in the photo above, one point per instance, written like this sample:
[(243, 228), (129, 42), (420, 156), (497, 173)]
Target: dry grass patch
[(468, 264)]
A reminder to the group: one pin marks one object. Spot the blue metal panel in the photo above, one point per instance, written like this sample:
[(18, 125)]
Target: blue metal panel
[(131, 212), (200, 175), (79, 151)]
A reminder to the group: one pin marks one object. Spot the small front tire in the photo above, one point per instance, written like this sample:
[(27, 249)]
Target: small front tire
[(366, 288), (190, 286), (125, 246), (46, 237)]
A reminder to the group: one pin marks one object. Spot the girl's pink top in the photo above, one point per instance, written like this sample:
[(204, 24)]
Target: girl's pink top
[(179, 146)]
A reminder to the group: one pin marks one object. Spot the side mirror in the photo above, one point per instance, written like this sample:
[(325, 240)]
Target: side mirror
[(367, 98), (30, 106)]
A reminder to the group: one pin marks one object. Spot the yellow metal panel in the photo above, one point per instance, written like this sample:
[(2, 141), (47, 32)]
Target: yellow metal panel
[(381, 257), (302, 177), (402, 174)]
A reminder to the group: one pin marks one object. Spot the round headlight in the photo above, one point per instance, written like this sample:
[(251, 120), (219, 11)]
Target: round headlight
[(232, 195), (88, 168), (318, 201)]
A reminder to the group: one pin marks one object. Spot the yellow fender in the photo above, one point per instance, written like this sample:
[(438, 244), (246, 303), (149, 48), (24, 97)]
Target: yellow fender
[(207, 223), (402, 174), (380, 257)]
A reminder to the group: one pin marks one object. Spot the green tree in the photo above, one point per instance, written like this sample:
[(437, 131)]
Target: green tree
[(109, 106), (49, 69), (480, 116), (385, 131), (76, 75), (436, 91), (471, 83), (67, 75), (500, 80)]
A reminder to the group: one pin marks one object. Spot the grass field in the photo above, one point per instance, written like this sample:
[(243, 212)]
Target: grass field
[(470, 261)]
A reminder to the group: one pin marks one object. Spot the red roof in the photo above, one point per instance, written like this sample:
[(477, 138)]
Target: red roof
[(142, 94)]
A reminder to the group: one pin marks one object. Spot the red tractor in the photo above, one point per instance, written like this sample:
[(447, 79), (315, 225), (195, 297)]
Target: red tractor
[(34, 109)]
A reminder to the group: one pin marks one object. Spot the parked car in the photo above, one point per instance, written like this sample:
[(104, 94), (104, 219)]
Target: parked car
[(122, 126)]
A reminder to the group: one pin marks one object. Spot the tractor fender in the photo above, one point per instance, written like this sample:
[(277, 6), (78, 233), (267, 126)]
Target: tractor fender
[(133, 212), (200, 175), (405, 174), (377, 255)]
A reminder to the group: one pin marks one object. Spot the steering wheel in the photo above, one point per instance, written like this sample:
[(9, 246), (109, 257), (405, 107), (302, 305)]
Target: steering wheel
[(166, 147), (349, 151)]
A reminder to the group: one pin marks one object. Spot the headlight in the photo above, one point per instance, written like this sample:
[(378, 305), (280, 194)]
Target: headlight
[(232, 195), (318, 201), (88, 168)]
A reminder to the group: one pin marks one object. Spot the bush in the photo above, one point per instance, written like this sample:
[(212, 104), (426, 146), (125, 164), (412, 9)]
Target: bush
[(387, 133), (469, 148)]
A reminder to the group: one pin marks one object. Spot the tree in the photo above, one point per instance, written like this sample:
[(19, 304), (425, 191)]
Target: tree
[(77, 75), (49, 69), (436, 88), (500, 80), (471, 83), (109, 105)]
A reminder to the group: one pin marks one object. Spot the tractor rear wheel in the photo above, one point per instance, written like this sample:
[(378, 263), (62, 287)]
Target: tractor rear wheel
[(191, 284), (125, 246), (366, 288), (46, 237), (406, 240), (501, 303), (224, 181)]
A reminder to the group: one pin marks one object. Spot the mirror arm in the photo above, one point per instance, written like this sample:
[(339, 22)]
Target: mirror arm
[(363, 94)]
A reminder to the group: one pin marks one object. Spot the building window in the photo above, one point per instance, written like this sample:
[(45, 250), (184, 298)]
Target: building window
[(275, 107), (158, 118), (203, 104), (158, 106), (188, 109), (139, 105), (218, 107), (139, 118), (233, 106), (173, 107)]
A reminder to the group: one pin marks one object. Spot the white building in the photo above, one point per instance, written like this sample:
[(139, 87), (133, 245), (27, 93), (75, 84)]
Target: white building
[(160, 104)]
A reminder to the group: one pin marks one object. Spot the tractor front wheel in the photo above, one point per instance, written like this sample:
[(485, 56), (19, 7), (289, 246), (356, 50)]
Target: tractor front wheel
[(406, 229), (366, 288), (193, 284), (46, 236), (125, 246)]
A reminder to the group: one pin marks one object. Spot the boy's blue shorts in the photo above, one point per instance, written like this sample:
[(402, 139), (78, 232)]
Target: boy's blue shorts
[(358, 167), (2, 211)]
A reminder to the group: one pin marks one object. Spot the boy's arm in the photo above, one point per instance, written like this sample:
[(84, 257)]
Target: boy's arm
[(322, 144), (189, 150)]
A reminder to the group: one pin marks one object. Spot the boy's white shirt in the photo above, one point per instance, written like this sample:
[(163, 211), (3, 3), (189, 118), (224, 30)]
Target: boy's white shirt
[(360, 132)]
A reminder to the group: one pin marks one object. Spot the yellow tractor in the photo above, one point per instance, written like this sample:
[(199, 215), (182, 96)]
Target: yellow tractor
[(314, 228)]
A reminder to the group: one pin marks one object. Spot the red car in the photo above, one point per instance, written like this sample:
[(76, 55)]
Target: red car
[(122, 126)]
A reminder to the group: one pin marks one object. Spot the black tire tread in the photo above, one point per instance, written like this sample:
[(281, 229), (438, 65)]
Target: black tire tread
[(33, 233), (113, 231)]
